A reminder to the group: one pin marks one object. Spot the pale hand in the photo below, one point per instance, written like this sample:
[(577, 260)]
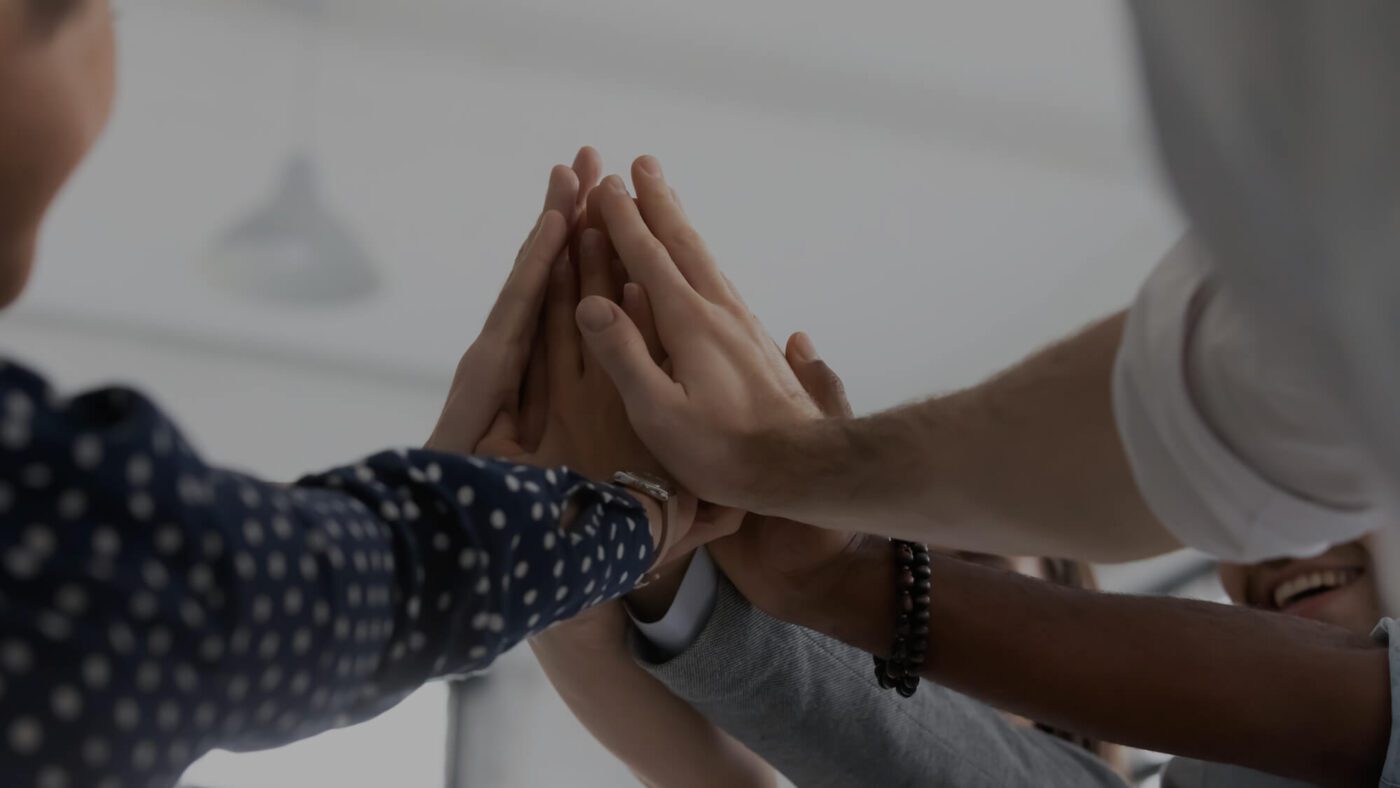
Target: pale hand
[(487, 389), (578, 415), (727, 385)]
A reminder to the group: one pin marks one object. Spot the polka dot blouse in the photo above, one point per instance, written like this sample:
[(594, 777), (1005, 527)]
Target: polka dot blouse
[(153, 607)]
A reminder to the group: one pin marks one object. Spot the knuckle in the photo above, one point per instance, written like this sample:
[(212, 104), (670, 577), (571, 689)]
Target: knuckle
[(688, 239), (655, 251)]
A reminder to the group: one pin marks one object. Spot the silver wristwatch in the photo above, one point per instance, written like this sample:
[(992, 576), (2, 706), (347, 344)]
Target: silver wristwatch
[(659, 490)]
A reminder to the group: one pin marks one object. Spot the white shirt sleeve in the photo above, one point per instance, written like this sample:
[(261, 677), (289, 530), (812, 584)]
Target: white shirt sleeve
[(1277, 123), (1238, 444), (677, 630)]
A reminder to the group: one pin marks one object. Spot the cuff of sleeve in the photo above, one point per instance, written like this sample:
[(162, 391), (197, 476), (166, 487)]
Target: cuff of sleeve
[(1203, 492), (736, 636), (678, 629)]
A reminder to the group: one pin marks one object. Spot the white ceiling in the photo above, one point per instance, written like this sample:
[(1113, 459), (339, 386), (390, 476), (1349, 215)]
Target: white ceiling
[(930, 188)]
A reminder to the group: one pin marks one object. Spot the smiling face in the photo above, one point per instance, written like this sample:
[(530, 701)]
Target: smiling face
[(1337, 587), (57, 61)]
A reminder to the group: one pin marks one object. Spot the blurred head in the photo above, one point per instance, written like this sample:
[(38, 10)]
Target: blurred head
[(1337, 587), (57, 65)]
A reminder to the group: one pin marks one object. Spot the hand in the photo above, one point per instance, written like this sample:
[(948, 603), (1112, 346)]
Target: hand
[(728, 383), (586, 426), (781, 566), (487, 388)]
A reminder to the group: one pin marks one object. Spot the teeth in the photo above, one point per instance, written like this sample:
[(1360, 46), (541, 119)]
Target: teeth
[(1328, 579)]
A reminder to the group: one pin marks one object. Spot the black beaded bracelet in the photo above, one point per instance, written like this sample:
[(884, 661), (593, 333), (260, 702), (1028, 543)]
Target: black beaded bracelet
[(913, 572)]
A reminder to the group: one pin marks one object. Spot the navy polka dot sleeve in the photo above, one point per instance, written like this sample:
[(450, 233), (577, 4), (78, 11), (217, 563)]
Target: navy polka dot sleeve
[(153, 608)]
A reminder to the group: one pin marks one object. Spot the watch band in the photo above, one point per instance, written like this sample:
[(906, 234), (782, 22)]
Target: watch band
[(659, 490)]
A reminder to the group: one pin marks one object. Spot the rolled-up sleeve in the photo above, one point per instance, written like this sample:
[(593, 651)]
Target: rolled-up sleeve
[(1235, 443)]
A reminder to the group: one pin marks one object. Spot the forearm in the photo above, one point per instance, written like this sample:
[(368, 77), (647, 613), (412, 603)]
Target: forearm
[(1255, 689), (661, 738), (810, 707), (1032, 457)]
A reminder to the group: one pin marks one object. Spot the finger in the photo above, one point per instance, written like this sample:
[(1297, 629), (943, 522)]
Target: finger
[(588, 166), (645, 257), (529, 239), (561, 332), (638, 308), (534, 400), (595, 267), (820, 381), (737, 296), (562, 195), (657, 204), (502, 440), (515, 314), (614, 341), (593, 215)]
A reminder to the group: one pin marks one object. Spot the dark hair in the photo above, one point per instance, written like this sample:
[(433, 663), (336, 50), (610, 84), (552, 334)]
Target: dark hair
[(47, 15)]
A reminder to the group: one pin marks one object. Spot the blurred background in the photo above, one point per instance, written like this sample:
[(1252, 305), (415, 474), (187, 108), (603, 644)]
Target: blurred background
[(304, 208)]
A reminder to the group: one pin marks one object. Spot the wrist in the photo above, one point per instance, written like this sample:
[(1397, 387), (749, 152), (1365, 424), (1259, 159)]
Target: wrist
[(857, 607), (782, 465), (655, 515)]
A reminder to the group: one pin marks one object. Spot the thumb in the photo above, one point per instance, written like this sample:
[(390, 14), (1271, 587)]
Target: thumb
[(822, 383), (615, 343)]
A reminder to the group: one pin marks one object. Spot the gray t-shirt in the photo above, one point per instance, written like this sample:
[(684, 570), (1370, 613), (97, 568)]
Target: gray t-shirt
[(809, 706)]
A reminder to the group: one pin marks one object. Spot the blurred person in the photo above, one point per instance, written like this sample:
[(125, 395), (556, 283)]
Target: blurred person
[(1337, 587), (1033, 458), (154, 606)]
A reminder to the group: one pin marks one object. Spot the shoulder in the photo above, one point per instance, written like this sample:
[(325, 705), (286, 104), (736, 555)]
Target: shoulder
[(105, 453)]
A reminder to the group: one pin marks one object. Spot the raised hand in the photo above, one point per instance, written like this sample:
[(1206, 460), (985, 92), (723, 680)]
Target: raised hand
[(486, 391), (727, 382), (569, 411)]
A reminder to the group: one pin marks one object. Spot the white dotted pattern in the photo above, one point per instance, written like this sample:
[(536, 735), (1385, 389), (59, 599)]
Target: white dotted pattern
[(158, 608)]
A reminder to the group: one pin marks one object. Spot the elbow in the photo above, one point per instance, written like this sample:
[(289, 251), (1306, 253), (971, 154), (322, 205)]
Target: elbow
[(1360, 735)]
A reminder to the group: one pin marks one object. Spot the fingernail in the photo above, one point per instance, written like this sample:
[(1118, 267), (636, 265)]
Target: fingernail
[(650, 166), (615, 183), (595, 314), (804, 349)]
